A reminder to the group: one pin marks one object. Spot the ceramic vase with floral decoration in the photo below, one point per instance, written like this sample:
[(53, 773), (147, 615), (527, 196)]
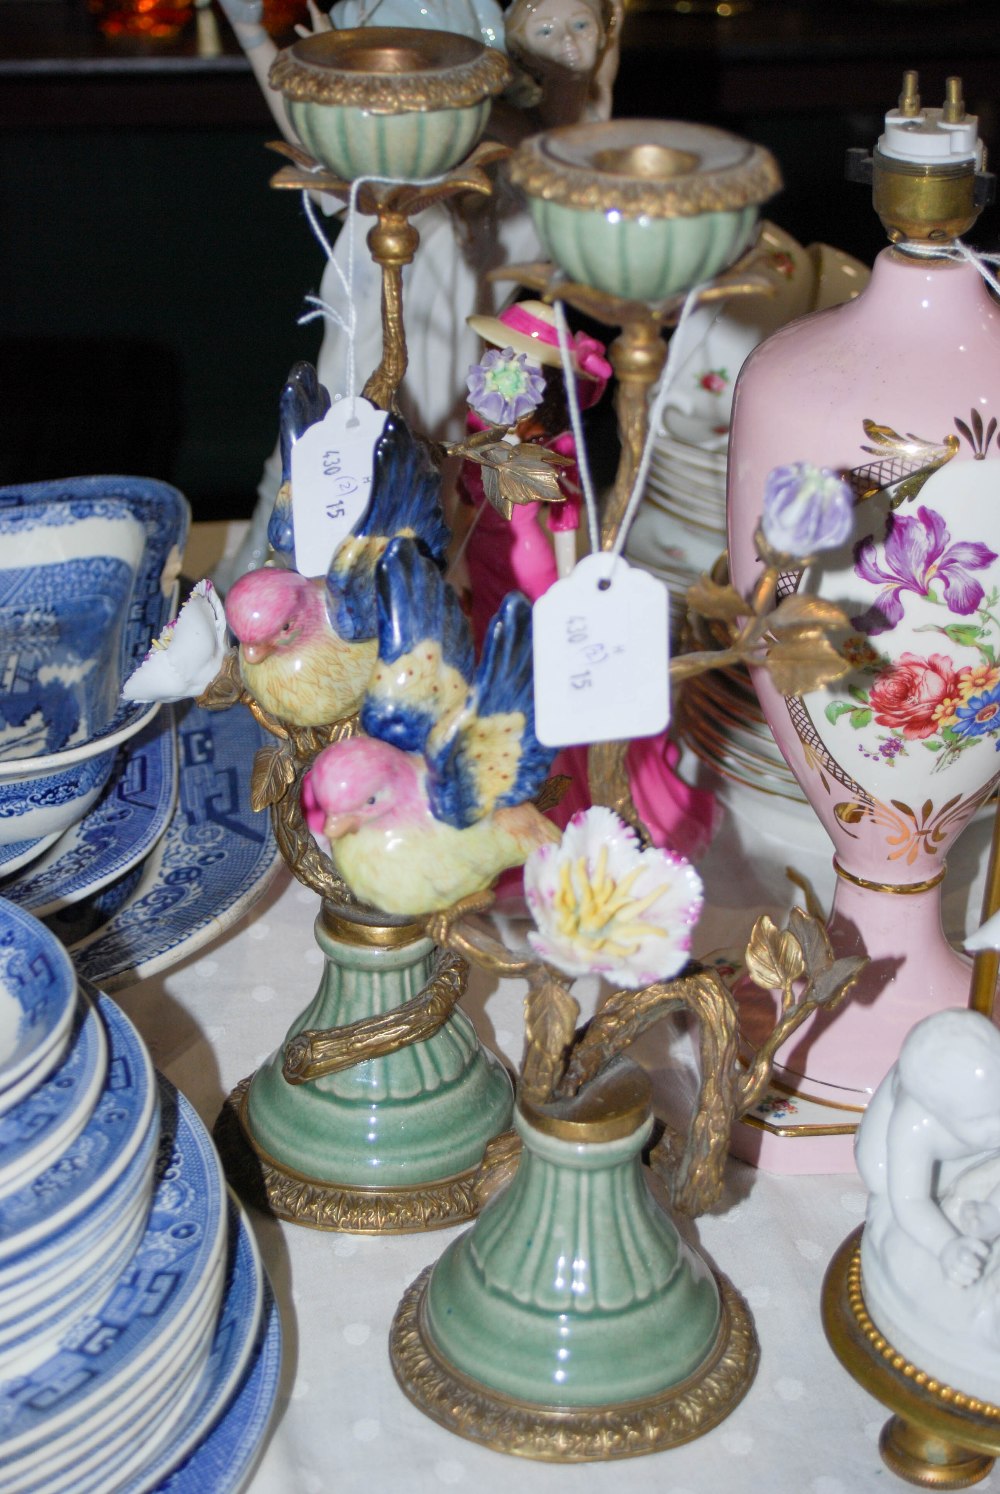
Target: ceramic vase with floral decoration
[(897, 393)]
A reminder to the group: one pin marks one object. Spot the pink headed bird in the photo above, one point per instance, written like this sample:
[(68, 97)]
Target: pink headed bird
[(432, 804), (307, 646)]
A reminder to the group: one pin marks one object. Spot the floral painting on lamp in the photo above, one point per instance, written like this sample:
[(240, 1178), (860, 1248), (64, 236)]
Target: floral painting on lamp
[(922, 705)]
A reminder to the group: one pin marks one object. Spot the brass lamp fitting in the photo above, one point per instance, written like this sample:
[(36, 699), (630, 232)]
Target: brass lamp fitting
[(927, 171)]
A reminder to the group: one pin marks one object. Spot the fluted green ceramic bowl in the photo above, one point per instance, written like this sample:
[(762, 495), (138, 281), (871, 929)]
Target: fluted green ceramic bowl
[(397, 103), (644, 209)]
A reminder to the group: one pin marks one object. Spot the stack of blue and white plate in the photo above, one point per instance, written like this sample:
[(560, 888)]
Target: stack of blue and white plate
[(136, 1327)]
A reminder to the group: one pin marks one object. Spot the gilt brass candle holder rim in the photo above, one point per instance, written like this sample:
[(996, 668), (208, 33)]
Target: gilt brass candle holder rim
[(612, 1106), (560, 1434), (656, 168), (938, 1437), (390, 70), (269, 1185)]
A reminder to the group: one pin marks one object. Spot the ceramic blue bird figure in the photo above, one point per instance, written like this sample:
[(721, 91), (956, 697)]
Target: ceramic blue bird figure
[(307, 645), (433, 803), (302, 403)]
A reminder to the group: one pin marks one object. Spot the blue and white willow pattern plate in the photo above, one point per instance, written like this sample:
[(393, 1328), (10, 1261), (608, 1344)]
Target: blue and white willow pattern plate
[(223, 1461), (124, 825), (215, 860), (21, 853), (238, 1335), (37, 1002), (133, 1349), (51, 1203), (54, 1113)]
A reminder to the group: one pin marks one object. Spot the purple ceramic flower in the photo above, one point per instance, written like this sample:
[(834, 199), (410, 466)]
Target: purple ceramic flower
[(917, 551), (505, 387), (806, 509)]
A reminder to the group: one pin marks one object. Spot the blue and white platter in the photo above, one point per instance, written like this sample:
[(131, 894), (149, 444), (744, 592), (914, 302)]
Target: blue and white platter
[(214, 861), (136, 1360), (52, 1203), (54, 1113), (37, 1003), (127, 821)]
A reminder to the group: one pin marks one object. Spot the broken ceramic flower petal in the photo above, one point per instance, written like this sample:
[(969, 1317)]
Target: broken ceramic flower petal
[(187, 655)]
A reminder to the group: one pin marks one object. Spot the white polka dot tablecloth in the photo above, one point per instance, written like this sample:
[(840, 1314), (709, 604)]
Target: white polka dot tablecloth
[(344, 1426)]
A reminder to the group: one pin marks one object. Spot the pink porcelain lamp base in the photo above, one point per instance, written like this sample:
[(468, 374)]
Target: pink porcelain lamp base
[(806, 1123)]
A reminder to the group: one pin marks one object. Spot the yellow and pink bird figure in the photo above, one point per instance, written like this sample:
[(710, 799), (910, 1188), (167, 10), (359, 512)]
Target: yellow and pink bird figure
[(307, 645), (433, 803)]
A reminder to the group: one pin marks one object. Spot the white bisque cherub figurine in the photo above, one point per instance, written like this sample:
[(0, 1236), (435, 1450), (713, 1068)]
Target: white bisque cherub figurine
[(928, 1150)]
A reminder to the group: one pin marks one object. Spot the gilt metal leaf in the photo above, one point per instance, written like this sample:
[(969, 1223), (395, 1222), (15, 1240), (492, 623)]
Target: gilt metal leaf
[(722, 603), (550, 1016), (812, 937), (273, 771), (519, 474), (804, 611), (832, 985), (774, 956), (804, 661)]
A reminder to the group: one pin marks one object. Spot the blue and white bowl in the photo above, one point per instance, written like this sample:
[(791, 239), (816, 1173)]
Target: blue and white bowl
[(116, 543), (37, 1003)]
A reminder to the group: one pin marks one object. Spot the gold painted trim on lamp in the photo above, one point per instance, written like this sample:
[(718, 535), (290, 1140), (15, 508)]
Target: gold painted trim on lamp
[(610, 1107), (561, 1434), (901, 887)]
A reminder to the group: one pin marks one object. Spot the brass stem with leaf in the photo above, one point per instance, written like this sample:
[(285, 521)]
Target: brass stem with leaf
[(559, 1060)]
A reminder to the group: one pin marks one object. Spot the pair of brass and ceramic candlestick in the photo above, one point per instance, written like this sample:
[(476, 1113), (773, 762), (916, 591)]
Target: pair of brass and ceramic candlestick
[(548, 1330)]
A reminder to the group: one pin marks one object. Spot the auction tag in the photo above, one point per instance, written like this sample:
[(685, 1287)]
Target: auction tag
[(601, 655), (332, 480)]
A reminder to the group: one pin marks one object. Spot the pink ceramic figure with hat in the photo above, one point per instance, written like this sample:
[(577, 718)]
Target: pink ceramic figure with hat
[(519, 382)]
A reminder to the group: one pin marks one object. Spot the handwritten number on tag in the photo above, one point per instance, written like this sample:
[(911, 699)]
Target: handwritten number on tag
[(601, 655), (331, 480)]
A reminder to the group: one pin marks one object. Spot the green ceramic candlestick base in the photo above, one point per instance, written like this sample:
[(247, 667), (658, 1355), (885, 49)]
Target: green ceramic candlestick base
[(387, 1144), (572, 1322)]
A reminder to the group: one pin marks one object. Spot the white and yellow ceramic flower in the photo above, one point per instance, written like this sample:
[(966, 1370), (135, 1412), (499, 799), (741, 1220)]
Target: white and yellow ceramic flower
[(187, 655), (603, 906)]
